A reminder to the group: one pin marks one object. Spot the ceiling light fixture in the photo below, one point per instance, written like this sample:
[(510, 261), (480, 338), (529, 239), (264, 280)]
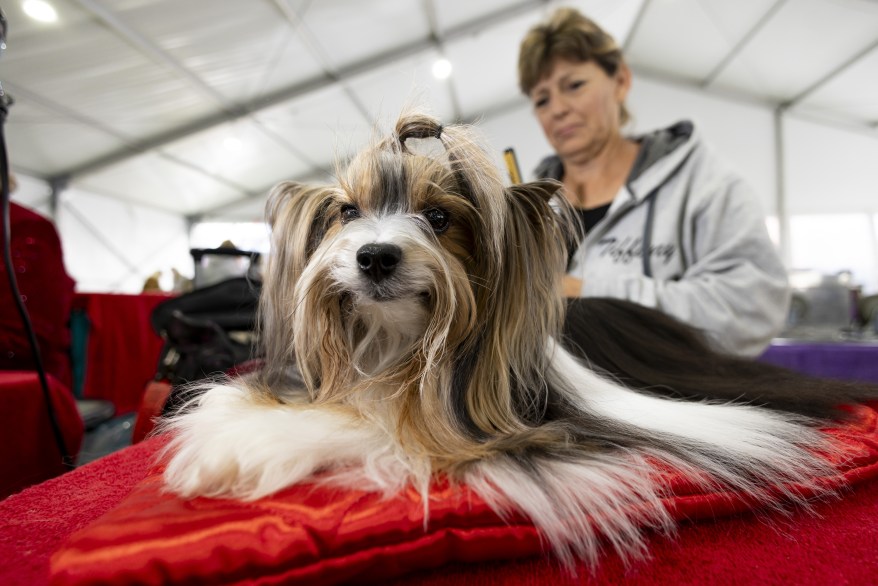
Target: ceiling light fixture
[(442, 68), (40, 10), (233, 144)]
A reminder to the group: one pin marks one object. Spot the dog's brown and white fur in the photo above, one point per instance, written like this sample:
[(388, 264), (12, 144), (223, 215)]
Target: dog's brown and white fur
[(410, 318)]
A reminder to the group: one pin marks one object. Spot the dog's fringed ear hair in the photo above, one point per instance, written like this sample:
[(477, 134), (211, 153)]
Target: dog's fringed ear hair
[(291, 207), (526, 309), (538, 230), (547, 189), (550, 190), (299, 216)]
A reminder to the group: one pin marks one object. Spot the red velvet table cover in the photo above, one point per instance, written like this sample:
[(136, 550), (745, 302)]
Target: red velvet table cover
[(315, 535), (123, 349), (28, 452), (836, 545)]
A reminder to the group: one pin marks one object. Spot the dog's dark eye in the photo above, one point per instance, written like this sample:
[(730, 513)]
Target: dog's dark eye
[(438, 218), (349, 212)]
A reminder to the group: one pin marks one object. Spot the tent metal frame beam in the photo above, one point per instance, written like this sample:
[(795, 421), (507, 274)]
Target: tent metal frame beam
[(830, 75), (783, 220), (742, 43), (163, 58), (150, 49), (297, 23), (340, 76), (635, 26), (132, 148), (513, 104)]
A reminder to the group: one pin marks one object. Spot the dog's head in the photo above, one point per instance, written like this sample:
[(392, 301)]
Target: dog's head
[(419, 272)]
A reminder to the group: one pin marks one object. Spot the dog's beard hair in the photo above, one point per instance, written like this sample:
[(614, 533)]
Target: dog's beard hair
[(451, 367)]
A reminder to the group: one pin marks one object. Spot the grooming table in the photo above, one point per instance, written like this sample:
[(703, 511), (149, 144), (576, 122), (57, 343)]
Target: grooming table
[(837, 545)]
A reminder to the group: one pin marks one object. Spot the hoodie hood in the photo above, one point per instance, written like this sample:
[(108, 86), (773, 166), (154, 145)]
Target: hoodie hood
[(660, 154)]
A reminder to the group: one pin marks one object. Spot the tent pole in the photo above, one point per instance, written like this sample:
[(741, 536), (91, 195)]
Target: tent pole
[(783, 218)]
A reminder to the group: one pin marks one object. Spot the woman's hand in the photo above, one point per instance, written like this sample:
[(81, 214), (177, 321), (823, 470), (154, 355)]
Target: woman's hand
[(571, 286)]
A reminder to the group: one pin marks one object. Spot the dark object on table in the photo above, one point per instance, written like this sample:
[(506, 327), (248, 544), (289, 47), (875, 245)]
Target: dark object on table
[(207, 332)]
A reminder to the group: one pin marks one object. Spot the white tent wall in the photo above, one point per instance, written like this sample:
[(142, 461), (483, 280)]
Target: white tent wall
[(110, 245), (832, 199), (830, 169)]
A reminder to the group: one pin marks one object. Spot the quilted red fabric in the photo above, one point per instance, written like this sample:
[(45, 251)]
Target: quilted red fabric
[(310, 535), (47, 292)]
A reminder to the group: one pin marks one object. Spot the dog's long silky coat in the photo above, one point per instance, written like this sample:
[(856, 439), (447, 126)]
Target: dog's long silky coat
[(410, 318)]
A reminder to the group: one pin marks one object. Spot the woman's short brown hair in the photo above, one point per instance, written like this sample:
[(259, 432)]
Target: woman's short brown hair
[(570, 35)]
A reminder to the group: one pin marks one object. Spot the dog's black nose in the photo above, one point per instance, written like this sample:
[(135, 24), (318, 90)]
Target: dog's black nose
[(378, 261)]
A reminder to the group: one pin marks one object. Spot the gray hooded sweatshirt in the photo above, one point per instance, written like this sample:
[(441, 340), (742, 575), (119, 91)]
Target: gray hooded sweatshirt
[(686, 235)]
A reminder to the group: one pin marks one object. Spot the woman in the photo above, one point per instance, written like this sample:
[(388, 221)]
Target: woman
[(665, 224)]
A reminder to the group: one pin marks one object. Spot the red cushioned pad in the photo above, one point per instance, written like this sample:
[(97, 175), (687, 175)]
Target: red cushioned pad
[(318, 535)]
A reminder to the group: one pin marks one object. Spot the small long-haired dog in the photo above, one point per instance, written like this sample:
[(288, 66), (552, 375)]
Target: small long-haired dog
[(412, 326)]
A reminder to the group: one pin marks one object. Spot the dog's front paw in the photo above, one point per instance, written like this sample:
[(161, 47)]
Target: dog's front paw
[(234, 445), (197, 468), (205, 455)]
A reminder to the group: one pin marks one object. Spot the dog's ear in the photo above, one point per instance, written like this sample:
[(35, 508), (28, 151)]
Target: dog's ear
[(298, 215), (548, 190), (503, 384), (543, 188), (280, 196)]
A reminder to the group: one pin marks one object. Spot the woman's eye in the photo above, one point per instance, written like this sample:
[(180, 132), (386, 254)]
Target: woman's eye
[(349, 212), (575, 85), (540, 102), (438, 218)]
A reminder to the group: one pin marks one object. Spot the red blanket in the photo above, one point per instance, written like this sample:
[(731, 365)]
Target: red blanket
[(123, 349), (835, 546)]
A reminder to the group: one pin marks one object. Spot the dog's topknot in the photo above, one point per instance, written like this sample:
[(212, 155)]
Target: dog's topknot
[(417, 126)]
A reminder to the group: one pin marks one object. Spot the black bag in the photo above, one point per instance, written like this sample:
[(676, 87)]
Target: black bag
[(207, 331)]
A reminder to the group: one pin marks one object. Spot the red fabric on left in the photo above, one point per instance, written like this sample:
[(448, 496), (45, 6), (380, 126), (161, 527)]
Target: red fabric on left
[(123, 349), (306, 534), (28, 452), (47, 291)]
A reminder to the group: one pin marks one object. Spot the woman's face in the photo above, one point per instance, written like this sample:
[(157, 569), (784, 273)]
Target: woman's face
[(579, 106)]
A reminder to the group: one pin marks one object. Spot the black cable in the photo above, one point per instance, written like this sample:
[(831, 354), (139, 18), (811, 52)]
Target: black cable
[(66, 458)]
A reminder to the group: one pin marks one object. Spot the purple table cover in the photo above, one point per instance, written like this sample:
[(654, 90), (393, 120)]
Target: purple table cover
[(841, 360)]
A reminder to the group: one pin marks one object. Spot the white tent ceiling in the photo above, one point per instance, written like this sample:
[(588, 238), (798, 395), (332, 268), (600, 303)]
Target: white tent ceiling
[(194, 106)]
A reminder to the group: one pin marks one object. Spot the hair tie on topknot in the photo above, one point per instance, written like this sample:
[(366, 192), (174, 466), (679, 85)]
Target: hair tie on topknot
[(421, 135)]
